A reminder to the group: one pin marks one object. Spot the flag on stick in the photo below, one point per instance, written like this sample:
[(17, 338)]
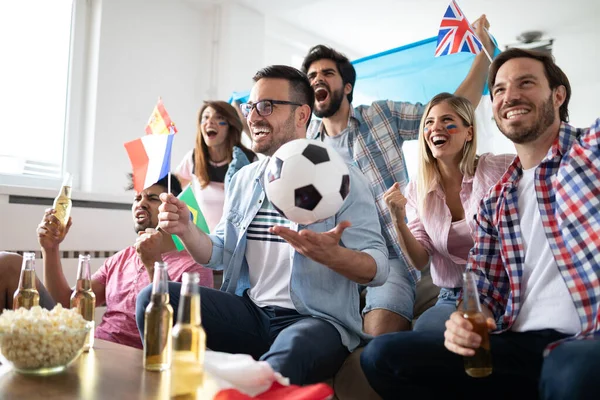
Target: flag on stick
[(160, 122), (150, 158), (189, 198), (456, 34)]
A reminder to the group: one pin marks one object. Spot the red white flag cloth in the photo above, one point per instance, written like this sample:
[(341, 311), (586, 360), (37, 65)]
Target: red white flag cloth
[(240, 377), (150, 158)]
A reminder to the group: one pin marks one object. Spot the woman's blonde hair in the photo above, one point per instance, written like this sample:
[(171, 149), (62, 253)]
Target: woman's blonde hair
[(428, 173)]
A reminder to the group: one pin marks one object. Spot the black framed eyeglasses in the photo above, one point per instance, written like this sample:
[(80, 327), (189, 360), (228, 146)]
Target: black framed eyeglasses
[(263, 107)]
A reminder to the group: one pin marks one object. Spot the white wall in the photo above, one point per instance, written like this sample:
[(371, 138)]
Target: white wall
[(577, 52), (286, 44), (147, 48)]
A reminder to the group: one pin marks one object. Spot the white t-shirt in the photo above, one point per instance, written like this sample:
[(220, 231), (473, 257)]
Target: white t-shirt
[(546, 301), (269, 260)]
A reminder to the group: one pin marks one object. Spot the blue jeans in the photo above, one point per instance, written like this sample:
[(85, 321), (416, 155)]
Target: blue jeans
[(434, 319), (397, 294), (418, 365), (570, 371), (301, 347)]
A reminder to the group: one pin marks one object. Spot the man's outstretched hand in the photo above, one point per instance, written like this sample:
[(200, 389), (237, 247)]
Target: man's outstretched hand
[(320, 247)]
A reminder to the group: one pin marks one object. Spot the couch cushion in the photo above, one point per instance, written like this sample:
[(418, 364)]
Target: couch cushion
[(350, 382)]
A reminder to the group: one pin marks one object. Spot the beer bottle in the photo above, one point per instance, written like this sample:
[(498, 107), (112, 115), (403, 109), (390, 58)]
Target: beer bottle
[(189, 340), (83, 298), (26, 294), (158, 323), (62, 202), (479, 365)]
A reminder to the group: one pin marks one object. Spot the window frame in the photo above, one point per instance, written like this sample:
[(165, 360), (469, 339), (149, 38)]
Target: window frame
[(75, 106)]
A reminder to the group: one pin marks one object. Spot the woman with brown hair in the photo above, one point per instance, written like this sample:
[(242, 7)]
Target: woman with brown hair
[(217, 156)]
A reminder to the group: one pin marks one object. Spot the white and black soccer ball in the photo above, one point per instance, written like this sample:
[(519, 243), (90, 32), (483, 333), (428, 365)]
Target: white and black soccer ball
[(306, 181)]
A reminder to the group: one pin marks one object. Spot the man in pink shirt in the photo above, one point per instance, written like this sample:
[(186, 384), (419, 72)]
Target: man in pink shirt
[(117, 283)]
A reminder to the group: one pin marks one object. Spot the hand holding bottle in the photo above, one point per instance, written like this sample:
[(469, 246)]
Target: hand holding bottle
[(50, 231), (460, 338), (467, 331)]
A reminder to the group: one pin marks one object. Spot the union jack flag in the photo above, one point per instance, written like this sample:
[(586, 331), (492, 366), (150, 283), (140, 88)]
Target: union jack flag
[(455, 34)]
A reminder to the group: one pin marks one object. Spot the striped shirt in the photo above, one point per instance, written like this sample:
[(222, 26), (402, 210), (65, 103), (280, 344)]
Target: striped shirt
[(432, 229), (269, 260), (567, 184), (375, 137)]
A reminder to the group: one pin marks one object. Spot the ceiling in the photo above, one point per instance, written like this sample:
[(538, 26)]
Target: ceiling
[(372, 26)]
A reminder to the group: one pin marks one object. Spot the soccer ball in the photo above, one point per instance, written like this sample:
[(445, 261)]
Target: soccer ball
[(306, 181)]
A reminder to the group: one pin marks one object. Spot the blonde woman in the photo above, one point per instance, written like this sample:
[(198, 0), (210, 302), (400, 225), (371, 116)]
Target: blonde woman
[(217, 156), (443, 200)]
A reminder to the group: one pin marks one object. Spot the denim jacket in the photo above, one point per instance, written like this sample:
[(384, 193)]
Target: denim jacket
[(238, 161), (314, 288)]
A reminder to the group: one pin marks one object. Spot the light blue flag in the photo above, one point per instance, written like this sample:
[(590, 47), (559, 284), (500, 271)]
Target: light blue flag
[(407, 73)]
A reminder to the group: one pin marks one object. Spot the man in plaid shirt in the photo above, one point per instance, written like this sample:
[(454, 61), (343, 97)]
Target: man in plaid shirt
[(536, 258), (371, 138)]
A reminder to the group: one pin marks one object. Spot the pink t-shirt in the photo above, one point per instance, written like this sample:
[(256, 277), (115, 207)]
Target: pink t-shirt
[(124, 276), (460, 240)]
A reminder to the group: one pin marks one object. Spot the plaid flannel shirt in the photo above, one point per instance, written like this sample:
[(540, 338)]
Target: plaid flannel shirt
[(567, 183), (375, 137)]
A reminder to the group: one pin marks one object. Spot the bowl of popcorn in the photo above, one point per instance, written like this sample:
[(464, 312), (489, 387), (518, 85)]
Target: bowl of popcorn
[(39, 341)]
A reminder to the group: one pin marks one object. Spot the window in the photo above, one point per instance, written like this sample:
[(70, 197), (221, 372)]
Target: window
[(35, 41)]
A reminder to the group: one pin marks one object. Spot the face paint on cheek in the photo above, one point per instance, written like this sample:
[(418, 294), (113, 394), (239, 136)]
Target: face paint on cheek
[(222, 123), (452, 129), (426, 129)]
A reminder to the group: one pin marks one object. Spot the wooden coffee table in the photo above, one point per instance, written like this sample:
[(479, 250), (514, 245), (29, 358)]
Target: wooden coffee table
[(109, 371)]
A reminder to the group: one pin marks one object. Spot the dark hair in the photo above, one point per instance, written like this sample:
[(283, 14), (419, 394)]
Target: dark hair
[(164, 182), (300, 89), (556, 77), (234, 138), (345, 68)]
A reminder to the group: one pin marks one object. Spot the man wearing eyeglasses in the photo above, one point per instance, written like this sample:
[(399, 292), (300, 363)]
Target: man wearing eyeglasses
[(290, 293)]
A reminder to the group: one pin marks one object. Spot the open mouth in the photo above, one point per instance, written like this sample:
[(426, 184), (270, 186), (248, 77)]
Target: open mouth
[(211, 133), (141, 215), (321, 94), (260, 133), (516, 113), (439, 141)]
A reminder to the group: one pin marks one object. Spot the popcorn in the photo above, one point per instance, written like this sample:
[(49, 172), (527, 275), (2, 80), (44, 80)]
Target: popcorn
[(38, 338)]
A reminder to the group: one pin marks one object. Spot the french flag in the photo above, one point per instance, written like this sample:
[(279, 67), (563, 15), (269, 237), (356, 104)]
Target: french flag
[(150, 158)]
